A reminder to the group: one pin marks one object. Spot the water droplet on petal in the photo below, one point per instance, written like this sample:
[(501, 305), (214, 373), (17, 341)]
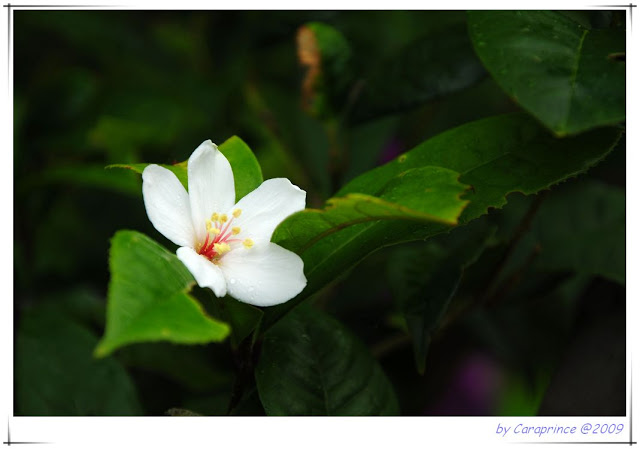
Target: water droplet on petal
[(233, 281), (251, 289)]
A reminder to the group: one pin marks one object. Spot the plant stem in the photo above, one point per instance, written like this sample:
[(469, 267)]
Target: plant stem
[(243, 358), (520, 231), (514, 279), (386, 346)]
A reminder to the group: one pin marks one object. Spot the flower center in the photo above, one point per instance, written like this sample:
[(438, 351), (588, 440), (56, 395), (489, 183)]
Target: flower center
[(221, 235)]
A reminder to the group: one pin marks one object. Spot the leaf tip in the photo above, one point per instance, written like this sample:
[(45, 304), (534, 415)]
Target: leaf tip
[(101, 350), (233, 139)]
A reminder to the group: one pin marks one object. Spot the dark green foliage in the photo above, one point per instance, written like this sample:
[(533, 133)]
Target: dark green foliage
[(566, 74), (57, 375), (465, 192), (495, 156), (426, 277), (585, 211), (311, 365), (437, 64)]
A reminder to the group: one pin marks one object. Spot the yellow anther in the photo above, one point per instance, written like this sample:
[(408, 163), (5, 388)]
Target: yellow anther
[(215, 216), (235, 230), (223, 218), (216, 231), (248, 243), (221, 248), (237, 212), (208, 223)]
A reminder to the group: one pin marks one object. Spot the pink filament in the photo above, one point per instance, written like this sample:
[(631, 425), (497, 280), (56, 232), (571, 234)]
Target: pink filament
[(208, 248)]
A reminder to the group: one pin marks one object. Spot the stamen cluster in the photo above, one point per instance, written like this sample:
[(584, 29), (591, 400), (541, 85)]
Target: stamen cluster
[(219, 236)]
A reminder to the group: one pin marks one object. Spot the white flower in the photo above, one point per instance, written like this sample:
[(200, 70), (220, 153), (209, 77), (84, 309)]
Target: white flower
[(226, 245)]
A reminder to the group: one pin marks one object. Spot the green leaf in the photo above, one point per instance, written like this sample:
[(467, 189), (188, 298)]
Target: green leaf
[(311, 365), (179, 169), (148, 299), (246, 170), (433, 66), (57, 376), (583, 229), (428, 194), (496, 156), (579, 228), (566, 75), (426, 278)]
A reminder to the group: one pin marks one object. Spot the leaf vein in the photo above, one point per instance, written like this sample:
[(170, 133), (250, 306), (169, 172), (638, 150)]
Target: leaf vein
[(574, 75)]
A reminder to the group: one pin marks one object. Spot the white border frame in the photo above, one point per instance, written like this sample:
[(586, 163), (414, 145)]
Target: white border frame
[(304, 432)]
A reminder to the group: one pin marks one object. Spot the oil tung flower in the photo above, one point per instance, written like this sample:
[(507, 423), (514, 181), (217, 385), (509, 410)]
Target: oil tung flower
[(224, 244)]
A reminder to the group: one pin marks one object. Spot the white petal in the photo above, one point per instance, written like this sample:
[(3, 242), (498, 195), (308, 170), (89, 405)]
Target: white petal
[(167, 204), (211, 186), (267, 206), (264, 275), (207, 274)]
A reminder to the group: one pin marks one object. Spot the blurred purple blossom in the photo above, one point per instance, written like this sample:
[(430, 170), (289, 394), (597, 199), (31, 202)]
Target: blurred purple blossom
[(473, 390)]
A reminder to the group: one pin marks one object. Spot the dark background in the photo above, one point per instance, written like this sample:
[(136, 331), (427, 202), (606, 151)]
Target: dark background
[(94, 88)]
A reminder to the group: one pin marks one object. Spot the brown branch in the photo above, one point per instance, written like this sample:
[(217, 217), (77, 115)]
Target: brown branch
[(514, 279), (520, 231), (386, 346), (244, 361)]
